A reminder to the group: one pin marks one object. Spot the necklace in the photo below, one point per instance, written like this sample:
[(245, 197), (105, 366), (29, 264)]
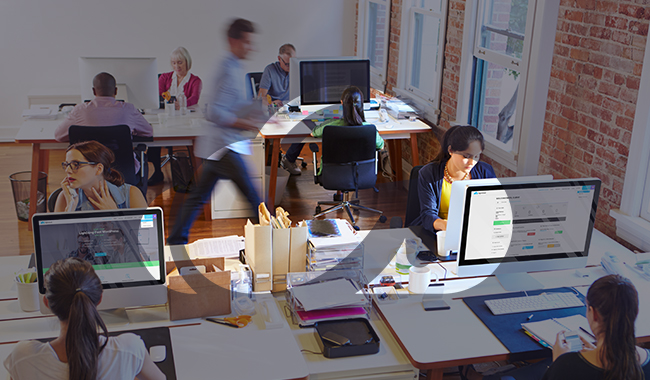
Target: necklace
[(448, 176)]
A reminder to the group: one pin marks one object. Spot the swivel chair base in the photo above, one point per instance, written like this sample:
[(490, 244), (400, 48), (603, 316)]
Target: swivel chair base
[(347, 204)]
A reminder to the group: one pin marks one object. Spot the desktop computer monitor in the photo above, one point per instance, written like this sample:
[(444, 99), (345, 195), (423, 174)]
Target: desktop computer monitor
[(510, 229), (136, 78), (124, 246), (323, 82)]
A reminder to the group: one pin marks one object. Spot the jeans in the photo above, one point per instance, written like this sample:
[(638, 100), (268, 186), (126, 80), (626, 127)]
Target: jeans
[(294, 151), (231, 166)]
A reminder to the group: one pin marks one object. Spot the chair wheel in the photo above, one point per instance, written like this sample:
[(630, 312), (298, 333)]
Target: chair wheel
[(318, 210), (383, 219), (304, 164), (356, 228)]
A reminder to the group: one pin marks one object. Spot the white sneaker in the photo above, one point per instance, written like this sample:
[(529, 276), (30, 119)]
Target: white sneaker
[(291, 167)]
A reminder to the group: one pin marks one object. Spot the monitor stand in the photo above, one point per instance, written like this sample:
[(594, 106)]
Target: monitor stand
[(115, 317), (514, 282)]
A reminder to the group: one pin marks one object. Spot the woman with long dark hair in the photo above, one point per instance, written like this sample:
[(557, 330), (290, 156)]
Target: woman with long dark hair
[(80, 352), (458, 159)]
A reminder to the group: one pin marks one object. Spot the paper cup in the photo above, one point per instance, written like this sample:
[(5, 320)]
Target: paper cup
[(419, 278), (28, 296), (440, 240)]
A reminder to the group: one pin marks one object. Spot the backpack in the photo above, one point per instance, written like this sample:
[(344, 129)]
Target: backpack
[(182, 172)]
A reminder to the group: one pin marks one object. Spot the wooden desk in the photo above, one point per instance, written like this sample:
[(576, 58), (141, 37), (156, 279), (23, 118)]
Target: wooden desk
[(295, 131)]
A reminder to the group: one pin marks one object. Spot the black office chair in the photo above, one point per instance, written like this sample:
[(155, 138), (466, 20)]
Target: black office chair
[(349, 163), (118, 138), (253, 84)]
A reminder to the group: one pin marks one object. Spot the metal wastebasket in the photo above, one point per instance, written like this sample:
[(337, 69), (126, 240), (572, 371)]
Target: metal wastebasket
[(20, 184)]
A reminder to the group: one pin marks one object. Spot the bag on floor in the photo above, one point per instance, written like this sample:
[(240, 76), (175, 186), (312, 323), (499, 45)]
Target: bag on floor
[(182, 172)]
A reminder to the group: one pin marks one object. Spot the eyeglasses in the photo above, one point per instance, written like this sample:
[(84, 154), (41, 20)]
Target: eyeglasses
[(75, 165), (469, 156), (282, 60)]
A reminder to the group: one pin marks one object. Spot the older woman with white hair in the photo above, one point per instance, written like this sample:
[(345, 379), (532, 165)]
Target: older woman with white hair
[(179, 81)]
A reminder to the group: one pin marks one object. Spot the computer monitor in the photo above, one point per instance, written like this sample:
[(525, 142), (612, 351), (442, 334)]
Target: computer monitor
[(323, 82), (510, 229), (136, 78), (124, 246)]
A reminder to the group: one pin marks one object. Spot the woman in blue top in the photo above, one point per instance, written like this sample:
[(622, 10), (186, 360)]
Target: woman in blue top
[(91, 184), (458, 160)]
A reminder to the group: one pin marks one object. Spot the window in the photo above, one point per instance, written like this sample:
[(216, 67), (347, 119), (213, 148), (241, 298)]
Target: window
[(422, 50), (502, 42), (372, 32)]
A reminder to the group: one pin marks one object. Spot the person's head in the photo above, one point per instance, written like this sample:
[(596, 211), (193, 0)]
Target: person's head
[(240, 37), (116, 240), (612, 308), (83, 241), (87, 162), (73, 292), (181, 61), (104, 85), (352, 100), (462, 145), (286, 52)]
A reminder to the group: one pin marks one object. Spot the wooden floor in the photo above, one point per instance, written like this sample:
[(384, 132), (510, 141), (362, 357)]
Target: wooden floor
[(299, 199)]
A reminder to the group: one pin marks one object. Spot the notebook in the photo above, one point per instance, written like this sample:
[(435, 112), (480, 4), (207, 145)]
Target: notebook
[(545, 332)]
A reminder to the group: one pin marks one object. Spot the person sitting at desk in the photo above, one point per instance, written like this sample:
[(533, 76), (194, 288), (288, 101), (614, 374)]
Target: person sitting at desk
[(176, 82), (458, 160), (104, 110), (80, 352), (88, 172)]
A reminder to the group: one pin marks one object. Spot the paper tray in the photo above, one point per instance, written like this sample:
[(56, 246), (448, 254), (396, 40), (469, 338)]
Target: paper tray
[(363, 338)]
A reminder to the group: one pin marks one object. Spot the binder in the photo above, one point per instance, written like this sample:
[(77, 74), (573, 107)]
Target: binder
[(281, 245), (298, 249), (259, 244)]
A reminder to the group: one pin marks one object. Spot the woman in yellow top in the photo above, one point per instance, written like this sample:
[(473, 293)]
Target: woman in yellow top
[(458, 160)]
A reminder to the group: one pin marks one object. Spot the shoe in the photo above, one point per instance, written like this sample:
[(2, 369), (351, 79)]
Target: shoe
[(155, 179), (291, 167)]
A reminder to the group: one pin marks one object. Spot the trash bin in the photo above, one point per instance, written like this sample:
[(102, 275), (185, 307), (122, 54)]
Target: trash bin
[(20, 183)]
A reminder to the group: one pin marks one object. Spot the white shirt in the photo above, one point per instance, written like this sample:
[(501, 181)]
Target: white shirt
[(175, 89), (122, 358)]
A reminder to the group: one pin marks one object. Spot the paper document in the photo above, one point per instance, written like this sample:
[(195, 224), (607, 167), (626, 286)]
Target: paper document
[(329, 294), (547, 330), (226, 247)]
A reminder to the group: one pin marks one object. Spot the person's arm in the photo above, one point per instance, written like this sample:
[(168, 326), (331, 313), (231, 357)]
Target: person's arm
[(192, 90), (136, 199), (73, 118), (138, 124), (318, 131), (429, 201), (265, 83), (163, 83), (150, 370), (379, 142)]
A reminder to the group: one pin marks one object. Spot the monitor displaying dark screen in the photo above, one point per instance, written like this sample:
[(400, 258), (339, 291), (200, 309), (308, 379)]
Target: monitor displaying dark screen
[(323, 82)]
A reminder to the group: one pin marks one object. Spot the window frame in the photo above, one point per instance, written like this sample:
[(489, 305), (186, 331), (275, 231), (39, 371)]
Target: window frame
[(377, 76), (537, 58)]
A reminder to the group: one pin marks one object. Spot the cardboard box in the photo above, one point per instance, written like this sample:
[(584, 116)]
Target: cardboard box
[(259, 255), (198, 295)]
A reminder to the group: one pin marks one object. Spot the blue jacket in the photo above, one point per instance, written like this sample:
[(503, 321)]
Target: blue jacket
[(430, 186)]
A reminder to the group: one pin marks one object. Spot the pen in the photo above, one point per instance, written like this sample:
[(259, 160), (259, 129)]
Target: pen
[(587, 332), (214, 320), (530, 317)]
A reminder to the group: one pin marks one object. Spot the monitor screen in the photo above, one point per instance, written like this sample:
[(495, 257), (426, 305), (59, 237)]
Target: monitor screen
[(533, 224), (323, 82), (125, 247)]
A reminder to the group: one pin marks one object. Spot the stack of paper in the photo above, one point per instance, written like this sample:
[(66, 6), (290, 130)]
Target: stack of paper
[(226, 247), (41, 112), (400, 110), (328, 300), (545, 332), (341, 248)]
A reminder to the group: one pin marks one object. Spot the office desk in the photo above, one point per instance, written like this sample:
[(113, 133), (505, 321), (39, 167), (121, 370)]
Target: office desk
[(294, 131)]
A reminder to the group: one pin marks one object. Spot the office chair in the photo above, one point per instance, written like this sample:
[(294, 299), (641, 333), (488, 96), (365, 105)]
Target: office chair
[(253, 84), (347, 169), (51, 201), (412, 201), (118, 138)]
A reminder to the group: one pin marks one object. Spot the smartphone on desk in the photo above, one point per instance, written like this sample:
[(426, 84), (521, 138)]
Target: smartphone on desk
[(431, 302)]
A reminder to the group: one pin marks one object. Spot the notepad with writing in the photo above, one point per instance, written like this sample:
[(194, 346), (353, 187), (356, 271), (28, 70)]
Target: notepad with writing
[(546, 330)]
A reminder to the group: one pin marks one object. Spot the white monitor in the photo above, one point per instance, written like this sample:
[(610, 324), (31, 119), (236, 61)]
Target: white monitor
[(294, 74), (136, 78), (124, 246), (457, 202), (510, 229)]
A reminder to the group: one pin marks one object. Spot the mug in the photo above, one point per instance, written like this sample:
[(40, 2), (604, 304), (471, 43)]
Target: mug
[(419, 279), (28, 296)]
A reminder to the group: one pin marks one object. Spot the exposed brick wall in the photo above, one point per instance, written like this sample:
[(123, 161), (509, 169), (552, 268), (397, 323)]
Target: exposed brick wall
[(393, 47)]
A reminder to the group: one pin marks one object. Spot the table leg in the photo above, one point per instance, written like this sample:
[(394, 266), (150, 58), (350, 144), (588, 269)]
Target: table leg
[(275, 150), (37, 161), (415, 153), (435, 374), (398, 160)]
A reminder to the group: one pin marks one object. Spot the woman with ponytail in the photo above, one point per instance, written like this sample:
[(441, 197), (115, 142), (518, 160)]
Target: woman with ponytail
[(91, 184), (80, 352), (458, 159)]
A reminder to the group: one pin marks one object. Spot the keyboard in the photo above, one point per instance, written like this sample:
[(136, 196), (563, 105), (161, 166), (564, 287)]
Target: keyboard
[(544, 301)]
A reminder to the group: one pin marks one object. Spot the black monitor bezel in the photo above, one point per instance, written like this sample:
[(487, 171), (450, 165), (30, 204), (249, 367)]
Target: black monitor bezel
[(307, 103), (536, 185), (99, 214)]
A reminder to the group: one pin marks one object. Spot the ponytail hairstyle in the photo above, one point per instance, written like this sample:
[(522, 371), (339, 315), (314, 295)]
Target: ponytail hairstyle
[(616, 301), (96, 152), (458, 138), (73, 291), (352, 99)]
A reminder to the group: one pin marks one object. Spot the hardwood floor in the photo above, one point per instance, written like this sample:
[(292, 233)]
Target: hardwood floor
[(299, 199)]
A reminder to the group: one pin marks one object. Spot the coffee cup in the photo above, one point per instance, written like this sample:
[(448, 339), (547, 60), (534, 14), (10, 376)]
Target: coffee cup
[(419, 279), (440, 243)]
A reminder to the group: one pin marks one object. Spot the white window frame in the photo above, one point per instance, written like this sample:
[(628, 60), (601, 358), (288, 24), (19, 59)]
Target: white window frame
[(377, 76), (632, 219), (428, 104), (537, 58)]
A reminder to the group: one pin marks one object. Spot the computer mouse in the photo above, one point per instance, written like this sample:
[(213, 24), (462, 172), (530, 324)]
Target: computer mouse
[(158, 353)]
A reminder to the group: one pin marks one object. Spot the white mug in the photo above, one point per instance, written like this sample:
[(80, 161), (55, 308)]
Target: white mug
[(419, 279), (440, 240), (28, 296)]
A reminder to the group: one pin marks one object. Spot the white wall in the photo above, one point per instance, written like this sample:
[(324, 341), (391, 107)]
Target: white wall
[(41, 40)]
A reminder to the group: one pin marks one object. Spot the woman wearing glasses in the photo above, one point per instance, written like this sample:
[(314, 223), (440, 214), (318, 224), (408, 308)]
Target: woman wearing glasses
[(458, 160), (91, 184)]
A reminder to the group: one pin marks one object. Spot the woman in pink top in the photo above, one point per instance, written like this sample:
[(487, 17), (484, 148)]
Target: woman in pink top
[(173, 84)]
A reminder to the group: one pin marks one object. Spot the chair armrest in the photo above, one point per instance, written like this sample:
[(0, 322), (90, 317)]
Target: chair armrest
[(314, 149)]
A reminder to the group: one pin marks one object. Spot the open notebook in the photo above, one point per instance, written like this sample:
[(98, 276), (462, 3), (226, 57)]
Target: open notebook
[(545, 332)]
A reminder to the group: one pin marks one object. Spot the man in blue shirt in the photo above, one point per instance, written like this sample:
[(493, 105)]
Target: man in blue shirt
[(275, 83), (233, 120)]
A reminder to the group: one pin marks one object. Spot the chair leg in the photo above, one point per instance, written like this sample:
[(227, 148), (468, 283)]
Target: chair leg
[(359, 207), (347, 208), (331, 209), (165, 160), (329, 203)]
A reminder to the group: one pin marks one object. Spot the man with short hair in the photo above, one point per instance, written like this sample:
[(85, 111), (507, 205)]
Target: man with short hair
[(233, 123), (103, 111)]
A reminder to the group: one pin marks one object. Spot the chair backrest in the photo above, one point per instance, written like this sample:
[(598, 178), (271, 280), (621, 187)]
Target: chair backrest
[(253, 84), (413, 199), (349, 157), (116, 138)]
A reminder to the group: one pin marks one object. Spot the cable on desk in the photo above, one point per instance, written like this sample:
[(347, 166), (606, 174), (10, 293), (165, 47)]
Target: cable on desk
[(310, 352), (443, 267)]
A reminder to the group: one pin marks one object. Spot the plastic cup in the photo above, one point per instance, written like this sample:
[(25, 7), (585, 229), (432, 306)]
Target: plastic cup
[(440, 243), (28, 296)]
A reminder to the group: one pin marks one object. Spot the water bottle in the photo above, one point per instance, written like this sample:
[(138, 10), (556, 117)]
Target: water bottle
[(182, 103)]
